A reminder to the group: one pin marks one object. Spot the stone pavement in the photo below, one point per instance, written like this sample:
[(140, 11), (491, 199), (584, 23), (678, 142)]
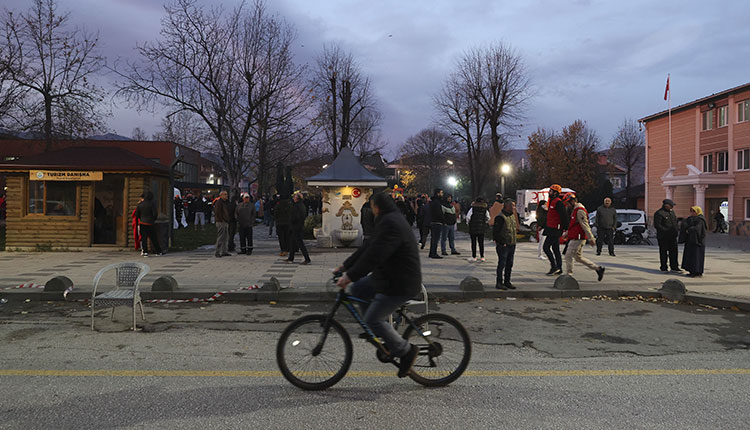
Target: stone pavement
[(634, 269)]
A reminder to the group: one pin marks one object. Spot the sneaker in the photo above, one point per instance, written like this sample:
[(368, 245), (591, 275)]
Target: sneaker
[(551, 272), (443, 253), (600, 273), (145, 254), (436, 257), (407, 361), (542, 257), (664, 270), (306, 262), (598, 253), (500, 287), (676, 270), (226, 254), (455, 253), (509, 286), (558, 272), (612, 254), (482, 260), (472, 259)]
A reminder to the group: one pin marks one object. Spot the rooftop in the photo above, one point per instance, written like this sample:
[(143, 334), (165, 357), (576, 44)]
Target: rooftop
[(86, 158)]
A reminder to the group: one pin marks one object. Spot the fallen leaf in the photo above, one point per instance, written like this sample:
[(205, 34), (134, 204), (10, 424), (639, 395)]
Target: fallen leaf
[(272, 302), (735, 308)]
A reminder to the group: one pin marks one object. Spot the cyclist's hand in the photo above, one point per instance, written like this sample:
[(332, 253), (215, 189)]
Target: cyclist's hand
[(343, 281), (339, 269)]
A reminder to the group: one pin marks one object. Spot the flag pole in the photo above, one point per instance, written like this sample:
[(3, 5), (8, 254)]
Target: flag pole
[(669, 104)]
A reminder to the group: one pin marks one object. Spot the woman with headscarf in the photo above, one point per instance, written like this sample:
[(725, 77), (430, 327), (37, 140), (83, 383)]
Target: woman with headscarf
[(694, 231)]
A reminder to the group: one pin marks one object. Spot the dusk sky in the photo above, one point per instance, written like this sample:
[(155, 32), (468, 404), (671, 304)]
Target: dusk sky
[(600, 61)]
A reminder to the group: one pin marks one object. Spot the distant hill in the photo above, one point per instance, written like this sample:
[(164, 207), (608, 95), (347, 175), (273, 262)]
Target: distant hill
[(13, 134)]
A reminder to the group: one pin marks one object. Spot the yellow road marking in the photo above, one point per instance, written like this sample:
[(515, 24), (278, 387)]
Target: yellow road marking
[(371, 374)]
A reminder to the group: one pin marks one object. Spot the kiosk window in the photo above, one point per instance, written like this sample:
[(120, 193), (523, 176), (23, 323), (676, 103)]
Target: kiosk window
[(52, 198)]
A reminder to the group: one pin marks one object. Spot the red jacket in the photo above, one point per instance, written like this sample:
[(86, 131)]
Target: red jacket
[(576, 232), (553, 216)]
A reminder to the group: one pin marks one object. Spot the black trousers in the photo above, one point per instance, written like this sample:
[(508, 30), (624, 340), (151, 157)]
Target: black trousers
[(477, 238), (282, 231), (232, 232), (150, 232), (668, 250), (435, 230), (605, 235), (551, 249), (297, 241), (424, 231), (246, 238)]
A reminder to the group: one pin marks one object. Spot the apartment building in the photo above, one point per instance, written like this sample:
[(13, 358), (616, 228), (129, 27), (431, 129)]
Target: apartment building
[(708, 161)]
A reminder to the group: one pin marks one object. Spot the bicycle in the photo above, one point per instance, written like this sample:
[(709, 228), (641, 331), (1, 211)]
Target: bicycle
[(315, 351)]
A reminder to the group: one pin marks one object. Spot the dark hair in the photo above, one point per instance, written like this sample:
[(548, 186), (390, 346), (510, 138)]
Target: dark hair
[(541, 202), (384, 202), (479, 200), (437, 191)]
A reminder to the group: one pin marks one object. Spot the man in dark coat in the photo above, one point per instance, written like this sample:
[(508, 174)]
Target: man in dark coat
[(392, 260), (146, 212), (436, 221), (282, 213), (245, 214), (666, 226), (606, 224), (232, 206), (221, 213), (297, 229)]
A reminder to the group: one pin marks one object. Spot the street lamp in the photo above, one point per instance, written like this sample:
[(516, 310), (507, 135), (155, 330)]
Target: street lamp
[(504, 170), (452, 181)]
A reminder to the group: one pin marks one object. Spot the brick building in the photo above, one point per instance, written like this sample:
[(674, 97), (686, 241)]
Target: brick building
[(708, 164)]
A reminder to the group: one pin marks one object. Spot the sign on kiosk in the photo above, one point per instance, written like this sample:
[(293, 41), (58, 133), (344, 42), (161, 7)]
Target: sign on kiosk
[(64, 175)]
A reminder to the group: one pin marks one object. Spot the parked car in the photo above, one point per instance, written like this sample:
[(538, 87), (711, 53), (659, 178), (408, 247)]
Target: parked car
[(627, 219)]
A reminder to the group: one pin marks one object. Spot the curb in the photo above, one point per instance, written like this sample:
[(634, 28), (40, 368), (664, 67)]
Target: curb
[(435, 292)]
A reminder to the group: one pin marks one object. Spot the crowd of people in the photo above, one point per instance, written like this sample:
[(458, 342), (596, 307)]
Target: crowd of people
[(562, 220)]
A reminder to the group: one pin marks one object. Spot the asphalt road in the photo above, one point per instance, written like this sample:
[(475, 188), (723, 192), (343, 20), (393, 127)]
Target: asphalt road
[(536, 364)]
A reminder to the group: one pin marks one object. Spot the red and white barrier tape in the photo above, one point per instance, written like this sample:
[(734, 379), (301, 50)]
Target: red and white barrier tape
[(26, 285), (193, 300)]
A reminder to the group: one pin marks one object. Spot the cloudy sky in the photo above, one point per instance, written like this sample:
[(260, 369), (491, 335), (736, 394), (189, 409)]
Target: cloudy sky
[(601, 61)]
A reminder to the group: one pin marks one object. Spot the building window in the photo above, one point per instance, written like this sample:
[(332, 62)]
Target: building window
[(747, 209), (743, 159), (722, 161), (723, 116), (708, 163), (708, 120), (743, 111), (616, 183), (53, 198)]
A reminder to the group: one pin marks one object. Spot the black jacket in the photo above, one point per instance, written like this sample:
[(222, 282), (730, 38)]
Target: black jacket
[(436, 211), (665, 223), (368, 220), (146, 212), (392, 257), (298, 215)]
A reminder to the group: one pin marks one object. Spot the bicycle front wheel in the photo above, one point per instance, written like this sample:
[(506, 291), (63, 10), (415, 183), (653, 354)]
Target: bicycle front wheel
[(444, 349), (311, 357)]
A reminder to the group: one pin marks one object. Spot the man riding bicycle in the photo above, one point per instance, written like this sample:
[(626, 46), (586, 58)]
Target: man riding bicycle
[(387, 273)]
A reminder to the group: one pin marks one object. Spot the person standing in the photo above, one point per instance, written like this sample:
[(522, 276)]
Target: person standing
[(436, 221), (666, 226), (146, 213), (578, 234), (694, 254), (208, 209), (423, 222), (199, 212), (368, 221), (282, 217), (541, 223), (297, 229), (719, 219), (222, 217), (477, 219), (606, 224), (232, 206), (557, 222), (245, 215), (450, 217), (178, 207), (504, 234), (259, 208)]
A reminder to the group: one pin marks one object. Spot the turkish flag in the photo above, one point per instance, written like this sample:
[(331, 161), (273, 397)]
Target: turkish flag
[(666, 90)]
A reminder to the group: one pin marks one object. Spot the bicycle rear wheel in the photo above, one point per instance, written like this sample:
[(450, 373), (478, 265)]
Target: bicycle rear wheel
[(444, 349), (307, 363)]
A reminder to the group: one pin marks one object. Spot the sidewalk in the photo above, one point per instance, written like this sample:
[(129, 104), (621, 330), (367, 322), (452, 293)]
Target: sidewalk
[(634, 269)]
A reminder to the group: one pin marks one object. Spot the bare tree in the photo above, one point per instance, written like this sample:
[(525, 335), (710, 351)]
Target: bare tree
[(458, 114), (185, 129), (496, 79), (57, 65), (138, 134), (12, 96), (347, 109), (628, 149), (211, 63), (426, 154)]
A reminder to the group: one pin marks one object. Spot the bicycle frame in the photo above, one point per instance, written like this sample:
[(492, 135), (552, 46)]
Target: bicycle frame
[(342, 298)]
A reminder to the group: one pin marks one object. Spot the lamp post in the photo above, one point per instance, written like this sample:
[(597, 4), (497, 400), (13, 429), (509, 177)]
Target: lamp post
[(452, 181), (504, 170)]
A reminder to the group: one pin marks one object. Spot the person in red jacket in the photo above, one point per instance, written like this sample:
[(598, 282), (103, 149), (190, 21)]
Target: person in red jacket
[(578, 234), (557, 223)]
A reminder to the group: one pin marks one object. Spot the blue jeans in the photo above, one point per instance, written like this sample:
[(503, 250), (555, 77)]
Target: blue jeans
[(505, 256), (375, 314), (448, 233)]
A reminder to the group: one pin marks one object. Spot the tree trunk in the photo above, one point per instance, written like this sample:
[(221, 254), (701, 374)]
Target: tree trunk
[(346, 107), (334, 118), (47, 122)]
